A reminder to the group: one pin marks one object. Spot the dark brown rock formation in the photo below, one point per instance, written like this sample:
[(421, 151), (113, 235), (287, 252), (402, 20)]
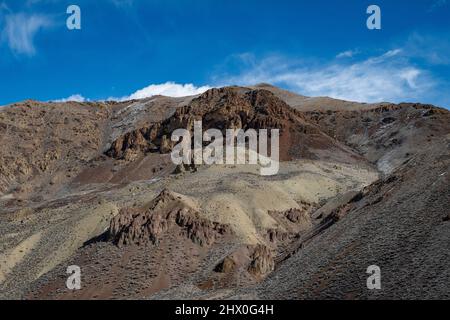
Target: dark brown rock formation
[(232, 108)]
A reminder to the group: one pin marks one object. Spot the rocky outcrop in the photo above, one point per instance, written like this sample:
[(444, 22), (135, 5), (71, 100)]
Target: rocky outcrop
[(293, 222), (257, 260), (227, 108), (166, 212), (297, 216), (262, 261), (227, 265)]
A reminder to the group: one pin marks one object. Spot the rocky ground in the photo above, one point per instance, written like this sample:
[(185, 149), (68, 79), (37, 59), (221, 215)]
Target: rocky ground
[(92, 184)]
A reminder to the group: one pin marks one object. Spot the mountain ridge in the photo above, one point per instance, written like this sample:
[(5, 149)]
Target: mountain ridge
[(68, 170)]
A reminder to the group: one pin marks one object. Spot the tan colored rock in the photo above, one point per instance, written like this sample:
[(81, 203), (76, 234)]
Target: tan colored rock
[(262, 261), (167, 211), (130, 155), (226, 266), (166, 145)]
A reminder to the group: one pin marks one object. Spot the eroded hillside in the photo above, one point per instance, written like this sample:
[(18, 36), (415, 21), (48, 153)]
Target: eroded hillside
[(93, 185)]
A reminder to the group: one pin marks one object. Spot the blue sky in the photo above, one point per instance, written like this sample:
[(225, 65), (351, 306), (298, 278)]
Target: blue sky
[(137, 48)]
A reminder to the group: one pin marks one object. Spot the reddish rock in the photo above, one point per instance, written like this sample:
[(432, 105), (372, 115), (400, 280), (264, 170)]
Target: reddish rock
[(231, 108)]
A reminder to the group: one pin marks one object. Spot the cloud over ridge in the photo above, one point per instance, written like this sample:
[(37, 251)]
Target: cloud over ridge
[(386, 77), (170, 89)]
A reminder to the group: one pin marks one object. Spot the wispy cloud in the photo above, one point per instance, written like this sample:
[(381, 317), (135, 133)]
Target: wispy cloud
[(20, 29), (347, 54), (386, 77), (433, 49)]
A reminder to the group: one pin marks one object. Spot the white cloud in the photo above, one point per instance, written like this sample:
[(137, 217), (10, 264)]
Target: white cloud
[(75, 97), (410, 76), (392, 53), (170, 89), (347, 54), (387, 77), (20, 29)]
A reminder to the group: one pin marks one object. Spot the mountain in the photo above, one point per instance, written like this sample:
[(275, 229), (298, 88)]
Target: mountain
[(92, 184)]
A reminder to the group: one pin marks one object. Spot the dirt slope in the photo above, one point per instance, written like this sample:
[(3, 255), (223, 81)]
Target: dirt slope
[(400, 224)]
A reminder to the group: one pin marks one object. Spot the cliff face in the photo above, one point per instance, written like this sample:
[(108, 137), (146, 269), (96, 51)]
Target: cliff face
[(235, 108)]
